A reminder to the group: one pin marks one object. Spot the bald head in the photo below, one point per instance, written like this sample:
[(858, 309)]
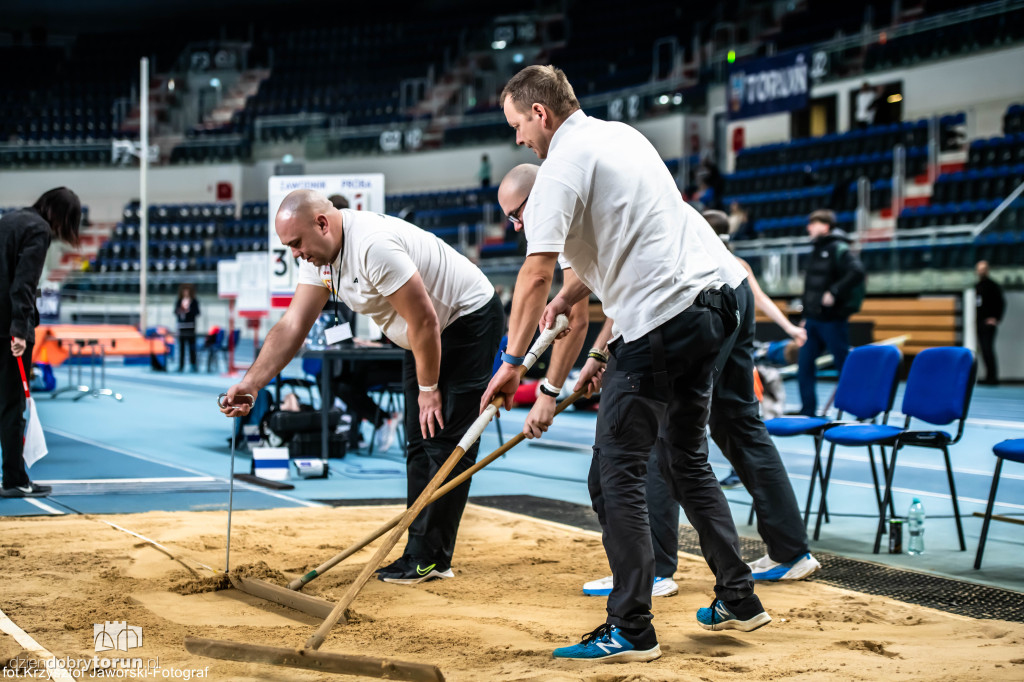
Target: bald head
[(309, 225), (302, 203), (516, 186), (981, 268)]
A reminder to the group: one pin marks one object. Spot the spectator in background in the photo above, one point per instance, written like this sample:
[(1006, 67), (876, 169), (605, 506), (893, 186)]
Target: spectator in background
[(737, 219), (705, 198), (866, 105), (833, 290), (338, 200), (991, 305), (186, 309), (484, 174), (25, 236)]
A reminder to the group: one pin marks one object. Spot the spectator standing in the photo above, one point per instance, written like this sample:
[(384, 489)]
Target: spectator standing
[(25, 236), (186, 310), (484, 174), (833, 290), (990, 308)]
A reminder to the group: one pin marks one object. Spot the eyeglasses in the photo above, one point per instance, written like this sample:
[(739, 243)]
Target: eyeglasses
[(516, 216)]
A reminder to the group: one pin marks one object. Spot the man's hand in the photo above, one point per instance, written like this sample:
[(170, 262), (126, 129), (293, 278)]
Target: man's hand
[(798, 334), (504, 383), (828, 300), (17, 346), (557, 307), (431, 413), (541, 415), (591, 377), (237, 402)]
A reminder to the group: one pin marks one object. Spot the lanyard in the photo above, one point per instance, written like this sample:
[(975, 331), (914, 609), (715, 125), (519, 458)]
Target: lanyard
[(337, 286)]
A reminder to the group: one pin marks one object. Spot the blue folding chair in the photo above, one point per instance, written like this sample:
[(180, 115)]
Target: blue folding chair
[(938, 392), (311, 367), (1012, 450), (867, 387)]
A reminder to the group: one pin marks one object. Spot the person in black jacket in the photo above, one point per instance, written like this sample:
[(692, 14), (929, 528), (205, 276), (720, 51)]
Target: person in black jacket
[(25, 236), (991, 305), (833, 290), (186, 309)]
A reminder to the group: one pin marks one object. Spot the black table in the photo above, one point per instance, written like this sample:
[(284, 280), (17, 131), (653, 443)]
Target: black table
[(343, 354)]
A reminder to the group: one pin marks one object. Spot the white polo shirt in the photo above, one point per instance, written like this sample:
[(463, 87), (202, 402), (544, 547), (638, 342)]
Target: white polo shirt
[(605, 200), (379, 254)]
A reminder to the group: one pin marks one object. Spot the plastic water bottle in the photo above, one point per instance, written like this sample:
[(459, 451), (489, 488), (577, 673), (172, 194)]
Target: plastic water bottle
[(915, 523)]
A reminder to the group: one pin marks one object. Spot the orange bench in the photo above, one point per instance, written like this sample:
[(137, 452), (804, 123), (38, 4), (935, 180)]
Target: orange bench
[(53, 341)]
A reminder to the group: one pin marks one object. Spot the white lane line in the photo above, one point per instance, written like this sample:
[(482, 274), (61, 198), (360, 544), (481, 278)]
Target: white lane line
[(168, 479), (153, 460), (52, 665), (900, 463), (42, 505), (908, 491)]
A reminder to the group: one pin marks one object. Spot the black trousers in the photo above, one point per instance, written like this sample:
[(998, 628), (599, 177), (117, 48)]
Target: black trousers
[(987, 346), (468, 346), (12, 414), (741, 435), (186, 339), (643, 407)]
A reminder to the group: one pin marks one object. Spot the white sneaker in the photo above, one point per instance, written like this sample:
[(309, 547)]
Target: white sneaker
[(602, 587), (797, 569), (385, 435)]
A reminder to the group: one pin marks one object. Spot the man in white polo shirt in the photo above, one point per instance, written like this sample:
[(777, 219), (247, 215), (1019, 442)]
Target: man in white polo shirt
[(426, 298), (606, 202)]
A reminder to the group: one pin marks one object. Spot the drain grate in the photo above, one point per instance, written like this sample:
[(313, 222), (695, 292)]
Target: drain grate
[(944, 594)]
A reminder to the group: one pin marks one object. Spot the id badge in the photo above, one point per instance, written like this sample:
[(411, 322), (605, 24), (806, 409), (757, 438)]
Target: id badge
[(338, 333)]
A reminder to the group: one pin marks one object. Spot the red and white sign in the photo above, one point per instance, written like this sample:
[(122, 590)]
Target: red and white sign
[(364, 192)]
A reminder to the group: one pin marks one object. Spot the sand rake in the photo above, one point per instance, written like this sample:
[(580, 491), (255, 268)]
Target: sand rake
[(308, 656)]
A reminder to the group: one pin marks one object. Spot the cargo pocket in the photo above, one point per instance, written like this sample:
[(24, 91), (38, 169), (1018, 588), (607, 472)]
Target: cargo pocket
[(633, 419)]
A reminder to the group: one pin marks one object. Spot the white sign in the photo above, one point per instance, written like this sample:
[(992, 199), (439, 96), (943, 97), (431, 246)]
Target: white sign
[(253, 292), (227, 279), (364, 192)]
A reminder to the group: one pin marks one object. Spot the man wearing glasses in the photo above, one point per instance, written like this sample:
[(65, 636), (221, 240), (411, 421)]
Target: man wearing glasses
[(605, 201)]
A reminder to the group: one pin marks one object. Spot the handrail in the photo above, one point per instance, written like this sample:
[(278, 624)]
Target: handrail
[(987, 222)]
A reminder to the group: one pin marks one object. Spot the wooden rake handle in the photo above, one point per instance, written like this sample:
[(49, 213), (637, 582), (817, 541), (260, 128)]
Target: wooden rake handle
[(299, 583), (474, 431)]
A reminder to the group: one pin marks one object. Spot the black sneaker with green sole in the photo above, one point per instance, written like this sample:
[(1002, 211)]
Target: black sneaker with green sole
[(418, 572)]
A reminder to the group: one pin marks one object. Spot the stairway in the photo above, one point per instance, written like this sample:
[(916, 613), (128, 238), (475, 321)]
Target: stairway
[(235, 100)]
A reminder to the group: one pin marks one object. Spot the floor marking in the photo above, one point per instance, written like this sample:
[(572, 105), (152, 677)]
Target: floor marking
[(53, 665), (240, 484), (168, 479), (42, 505)]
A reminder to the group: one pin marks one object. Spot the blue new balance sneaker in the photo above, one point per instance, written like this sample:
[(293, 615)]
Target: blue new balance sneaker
[(745, 615), (609, 644), (797, 569)]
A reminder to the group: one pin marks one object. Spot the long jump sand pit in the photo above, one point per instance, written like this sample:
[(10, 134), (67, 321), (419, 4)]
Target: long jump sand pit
[(515, 597)]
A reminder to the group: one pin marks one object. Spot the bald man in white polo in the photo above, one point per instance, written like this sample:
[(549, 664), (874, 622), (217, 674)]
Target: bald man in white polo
[(425, 297)]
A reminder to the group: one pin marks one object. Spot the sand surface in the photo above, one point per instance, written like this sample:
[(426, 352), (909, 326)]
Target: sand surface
[(516, 596)]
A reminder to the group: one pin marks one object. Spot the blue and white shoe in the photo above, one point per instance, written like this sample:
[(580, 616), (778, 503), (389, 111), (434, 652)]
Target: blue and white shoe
[(747, 616), (602, 587), (797, 569), (608, 644)]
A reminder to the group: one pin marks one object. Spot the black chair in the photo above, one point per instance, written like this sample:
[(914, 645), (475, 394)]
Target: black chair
[(1012, 450)]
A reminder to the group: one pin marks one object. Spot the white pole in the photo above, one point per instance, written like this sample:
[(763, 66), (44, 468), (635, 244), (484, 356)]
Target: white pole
[(143, 201)]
